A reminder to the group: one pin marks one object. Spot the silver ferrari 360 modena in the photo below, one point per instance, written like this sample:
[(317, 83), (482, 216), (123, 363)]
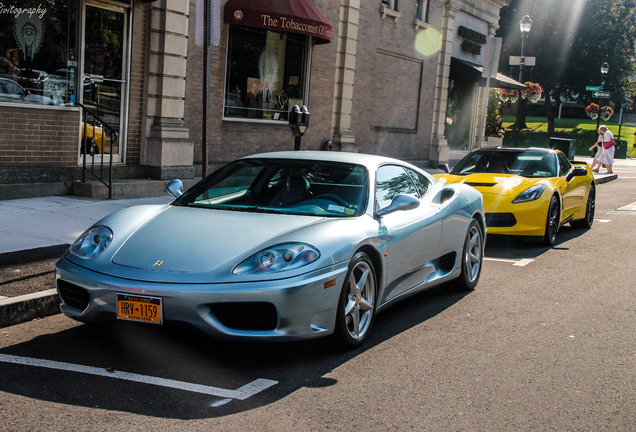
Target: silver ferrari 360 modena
[(278, 246)]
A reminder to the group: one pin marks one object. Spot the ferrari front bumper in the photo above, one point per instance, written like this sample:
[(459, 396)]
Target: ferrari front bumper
[(302, 307)]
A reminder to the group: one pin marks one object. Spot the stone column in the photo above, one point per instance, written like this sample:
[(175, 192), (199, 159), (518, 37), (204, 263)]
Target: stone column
[(345, 73), (168, 148), (439, 152)]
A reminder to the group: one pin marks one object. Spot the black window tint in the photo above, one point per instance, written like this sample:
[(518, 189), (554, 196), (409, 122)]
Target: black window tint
[(392, 180), (564, 165)]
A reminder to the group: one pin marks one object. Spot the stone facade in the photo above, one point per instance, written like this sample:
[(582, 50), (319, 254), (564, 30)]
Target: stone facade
[(380, 86)]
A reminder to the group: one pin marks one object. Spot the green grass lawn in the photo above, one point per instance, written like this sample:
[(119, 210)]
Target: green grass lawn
[(582, 130)]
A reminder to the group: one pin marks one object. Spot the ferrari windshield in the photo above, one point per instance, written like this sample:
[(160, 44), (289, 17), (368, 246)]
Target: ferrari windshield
[(526, 163), (306, 187)]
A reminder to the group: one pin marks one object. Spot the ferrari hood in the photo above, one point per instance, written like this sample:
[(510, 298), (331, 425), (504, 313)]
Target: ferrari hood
[(193, 240)]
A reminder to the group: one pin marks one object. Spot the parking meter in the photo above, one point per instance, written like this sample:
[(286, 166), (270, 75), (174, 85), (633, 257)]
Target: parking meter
[(298, 122)]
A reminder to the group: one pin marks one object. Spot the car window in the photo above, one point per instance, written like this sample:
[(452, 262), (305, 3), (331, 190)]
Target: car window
[(422, 184), (564, 165), (392, 180), (230, 187), (526, 163), (301, 187), (13, 88)]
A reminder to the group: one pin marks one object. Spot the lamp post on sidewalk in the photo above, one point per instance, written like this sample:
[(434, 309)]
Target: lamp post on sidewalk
[(525, 25), (604, 71)]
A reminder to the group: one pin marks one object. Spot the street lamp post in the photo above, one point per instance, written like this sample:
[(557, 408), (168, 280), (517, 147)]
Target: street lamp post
[(604, 71), (524, 25)]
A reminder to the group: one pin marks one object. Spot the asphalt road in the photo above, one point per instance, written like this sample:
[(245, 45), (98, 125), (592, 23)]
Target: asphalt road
[(545, 343)]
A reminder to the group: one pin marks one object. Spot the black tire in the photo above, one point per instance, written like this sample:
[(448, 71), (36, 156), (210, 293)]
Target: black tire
[(472, 257), (552, 222), (356, 307), (590, 208)]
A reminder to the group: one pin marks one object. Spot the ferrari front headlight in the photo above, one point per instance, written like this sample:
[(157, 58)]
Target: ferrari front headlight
[(530, 194), (283, 257), (92, 243)]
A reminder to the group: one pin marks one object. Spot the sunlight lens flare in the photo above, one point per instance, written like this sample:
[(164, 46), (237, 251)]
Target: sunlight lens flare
[(428, 42)]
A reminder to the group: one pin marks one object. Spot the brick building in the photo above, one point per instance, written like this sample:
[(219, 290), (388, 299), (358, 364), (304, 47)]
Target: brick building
[(400, 78)]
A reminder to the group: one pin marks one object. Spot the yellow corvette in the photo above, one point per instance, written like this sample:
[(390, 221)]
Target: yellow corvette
[(529, 191)]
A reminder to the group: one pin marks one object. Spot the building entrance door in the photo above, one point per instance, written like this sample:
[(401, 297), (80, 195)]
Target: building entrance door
[(105, 75)]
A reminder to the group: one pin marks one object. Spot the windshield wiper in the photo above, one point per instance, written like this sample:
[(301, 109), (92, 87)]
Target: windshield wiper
[(254, 209)]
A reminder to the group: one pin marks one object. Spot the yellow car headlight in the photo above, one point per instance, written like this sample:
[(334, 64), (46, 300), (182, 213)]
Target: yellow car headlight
[(530, 194)]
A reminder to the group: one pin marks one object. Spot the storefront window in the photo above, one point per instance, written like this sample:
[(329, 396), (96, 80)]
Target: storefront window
[(266, 73), (38, 53)]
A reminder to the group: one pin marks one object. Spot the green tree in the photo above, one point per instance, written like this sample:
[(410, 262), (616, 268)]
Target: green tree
[(571, 39)]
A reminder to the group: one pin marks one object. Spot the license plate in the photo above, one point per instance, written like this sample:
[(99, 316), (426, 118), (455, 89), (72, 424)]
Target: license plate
[(139, 308)]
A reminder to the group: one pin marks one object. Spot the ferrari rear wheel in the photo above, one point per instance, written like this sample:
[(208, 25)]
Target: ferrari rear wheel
[(552, 222), (356, 308), (590, 207), (472, 256)]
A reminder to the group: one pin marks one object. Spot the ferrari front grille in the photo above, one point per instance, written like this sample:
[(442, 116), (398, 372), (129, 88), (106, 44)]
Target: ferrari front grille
[(246, 315), (500, 220), (73, 295)]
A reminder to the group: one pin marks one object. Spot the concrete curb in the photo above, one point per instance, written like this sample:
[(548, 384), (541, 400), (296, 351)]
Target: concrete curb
[(16, 310), (604, 178)]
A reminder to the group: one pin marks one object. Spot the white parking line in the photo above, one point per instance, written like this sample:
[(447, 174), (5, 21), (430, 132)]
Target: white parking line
[(520, 263), (242, 393), (602, 220)]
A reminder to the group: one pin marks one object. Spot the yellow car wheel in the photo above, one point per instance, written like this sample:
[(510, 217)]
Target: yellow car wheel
[(552, 222), (590, 207)]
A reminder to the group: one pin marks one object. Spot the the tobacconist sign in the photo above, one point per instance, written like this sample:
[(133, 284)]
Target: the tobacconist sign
[(316, 27)]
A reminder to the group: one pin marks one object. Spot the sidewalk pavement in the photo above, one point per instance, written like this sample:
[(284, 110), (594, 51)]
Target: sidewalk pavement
[(34, 223)]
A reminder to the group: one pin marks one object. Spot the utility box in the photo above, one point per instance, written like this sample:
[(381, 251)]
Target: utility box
[(620, 152), (566, 145)]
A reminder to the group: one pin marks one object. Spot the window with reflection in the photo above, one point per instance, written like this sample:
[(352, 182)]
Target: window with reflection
[(38, 53), (392, 180), (266, 73)]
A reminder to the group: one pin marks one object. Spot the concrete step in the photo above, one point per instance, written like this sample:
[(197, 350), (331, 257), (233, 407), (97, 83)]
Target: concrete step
[(126, 187)]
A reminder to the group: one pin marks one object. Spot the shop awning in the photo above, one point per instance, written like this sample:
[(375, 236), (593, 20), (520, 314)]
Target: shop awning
[(461, 69), (295, 16)]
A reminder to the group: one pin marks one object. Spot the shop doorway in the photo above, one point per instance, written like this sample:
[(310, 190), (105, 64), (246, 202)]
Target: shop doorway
[(104, 82), (459, 130)]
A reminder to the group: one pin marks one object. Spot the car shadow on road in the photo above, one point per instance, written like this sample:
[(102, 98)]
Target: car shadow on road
[(518, 247), (186, 356)]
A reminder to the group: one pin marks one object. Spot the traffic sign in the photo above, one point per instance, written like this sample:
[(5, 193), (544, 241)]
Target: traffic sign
[(526, 61), (602, 94), (592, 88)]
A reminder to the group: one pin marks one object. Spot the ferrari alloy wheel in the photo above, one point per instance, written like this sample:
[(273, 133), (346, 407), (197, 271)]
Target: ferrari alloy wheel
[(472, 256), (590, 207), (552, 222), (356, 308)]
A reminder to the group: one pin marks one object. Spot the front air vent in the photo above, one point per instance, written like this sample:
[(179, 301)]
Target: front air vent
[(73, 295), (246, 315), (476, 184), (500, 220)]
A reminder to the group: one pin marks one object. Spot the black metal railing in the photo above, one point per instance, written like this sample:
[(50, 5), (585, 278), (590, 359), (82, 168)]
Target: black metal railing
[(96, 136)]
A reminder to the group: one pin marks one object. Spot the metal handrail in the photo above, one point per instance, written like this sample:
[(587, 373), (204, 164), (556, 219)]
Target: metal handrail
[(86, 150)]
